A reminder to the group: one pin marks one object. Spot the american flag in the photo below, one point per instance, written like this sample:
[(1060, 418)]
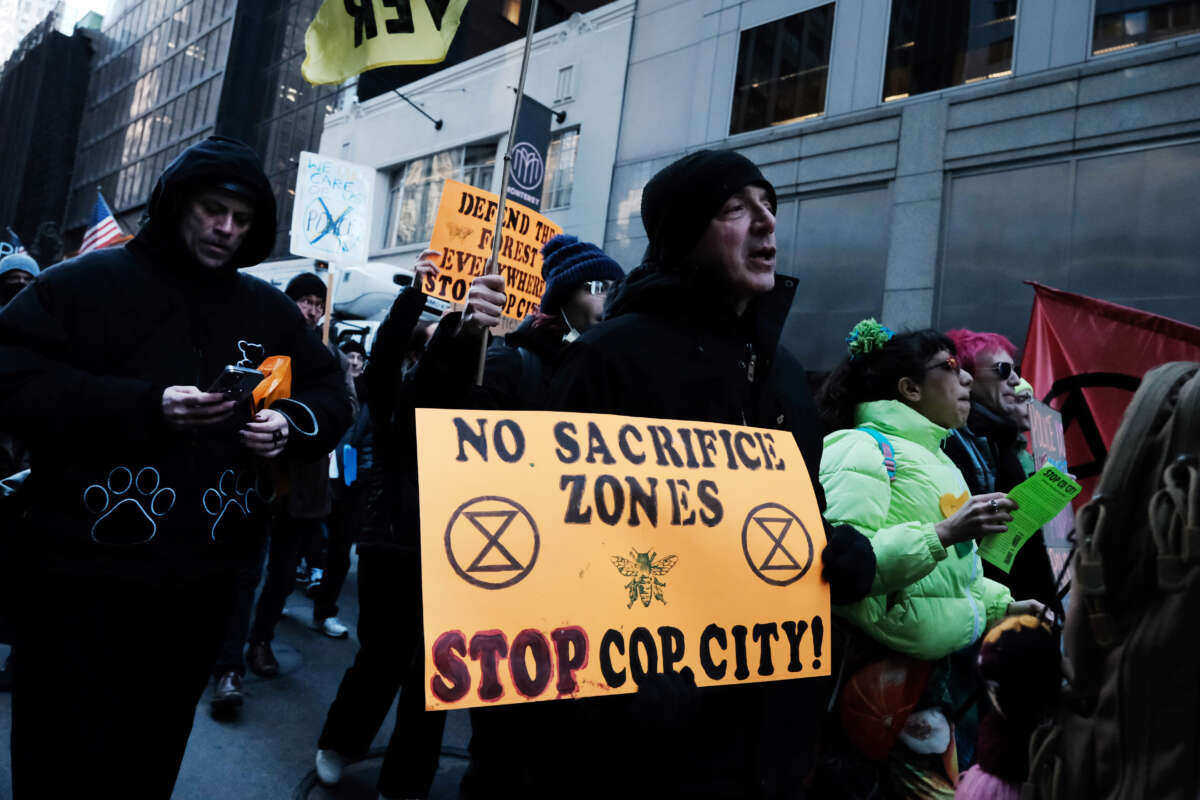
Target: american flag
[(104, 230)]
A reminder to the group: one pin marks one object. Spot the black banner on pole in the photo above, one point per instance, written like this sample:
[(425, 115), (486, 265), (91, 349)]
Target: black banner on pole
[(528, 170)]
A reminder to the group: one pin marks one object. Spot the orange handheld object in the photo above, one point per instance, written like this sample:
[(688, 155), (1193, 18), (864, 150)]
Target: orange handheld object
[(278, 383)]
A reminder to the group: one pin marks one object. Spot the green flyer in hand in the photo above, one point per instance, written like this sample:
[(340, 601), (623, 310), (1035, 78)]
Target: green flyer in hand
[(1040, 497)]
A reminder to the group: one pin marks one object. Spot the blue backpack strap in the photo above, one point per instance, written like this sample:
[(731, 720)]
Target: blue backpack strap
[(885, 447)]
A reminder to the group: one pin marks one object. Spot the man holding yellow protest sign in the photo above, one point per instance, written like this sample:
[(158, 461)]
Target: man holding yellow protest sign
[(707, 297)]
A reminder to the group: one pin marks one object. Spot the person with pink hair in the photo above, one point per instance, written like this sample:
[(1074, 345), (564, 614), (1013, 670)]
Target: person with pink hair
[(986, 451)]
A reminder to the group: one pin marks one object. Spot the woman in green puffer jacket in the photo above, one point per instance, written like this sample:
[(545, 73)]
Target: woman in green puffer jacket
[(889, 405)]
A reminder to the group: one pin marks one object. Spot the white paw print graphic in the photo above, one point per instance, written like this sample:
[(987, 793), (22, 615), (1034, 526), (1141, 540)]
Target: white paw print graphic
[(231, 499), (127, 508)]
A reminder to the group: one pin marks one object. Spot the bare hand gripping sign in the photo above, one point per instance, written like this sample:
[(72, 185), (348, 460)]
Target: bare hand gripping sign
[(572, 555), (463, 231)]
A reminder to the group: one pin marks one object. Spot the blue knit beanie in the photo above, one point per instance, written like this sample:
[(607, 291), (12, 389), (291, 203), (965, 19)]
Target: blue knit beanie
[(567, 263), (20, 261)]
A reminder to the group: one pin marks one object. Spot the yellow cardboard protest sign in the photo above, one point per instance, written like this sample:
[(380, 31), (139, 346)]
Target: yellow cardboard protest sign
[(347, 37), (463, 231), (570, 555)]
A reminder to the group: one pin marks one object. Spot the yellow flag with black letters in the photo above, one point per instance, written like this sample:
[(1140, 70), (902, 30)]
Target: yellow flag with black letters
[(347, 37)]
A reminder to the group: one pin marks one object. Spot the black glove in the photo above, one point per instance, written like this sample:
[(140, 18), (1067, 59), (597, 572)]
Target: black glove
[(668, 704), (848, 564)]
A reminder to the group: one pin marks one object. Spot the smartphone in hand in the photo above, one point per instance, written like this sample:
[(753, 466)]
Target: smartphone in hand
[(236, 383)]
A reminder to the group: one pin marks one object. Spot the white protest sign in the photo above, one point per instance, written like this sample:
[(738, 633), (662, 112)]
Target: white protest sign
[(331, 218)]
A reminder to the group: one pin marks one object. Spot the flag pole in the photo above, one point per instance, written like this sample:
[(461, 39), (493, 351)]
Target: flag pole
[(512, 134)]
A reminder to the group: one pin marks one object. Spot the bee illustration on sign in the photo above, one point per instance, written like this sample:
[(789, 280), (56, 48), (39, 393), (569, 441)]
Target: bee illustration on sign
[(645, 573)]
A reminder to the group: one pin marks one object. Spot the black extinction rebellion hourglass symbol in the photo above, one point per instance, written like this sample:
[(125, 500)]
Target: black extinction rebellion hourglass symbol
[(492, 542), (776, 544)]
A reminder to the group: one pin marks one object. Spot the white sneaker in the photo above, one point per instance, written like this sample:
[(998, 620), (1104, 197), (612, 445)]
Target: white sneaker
[(331, 627), (330, 765)]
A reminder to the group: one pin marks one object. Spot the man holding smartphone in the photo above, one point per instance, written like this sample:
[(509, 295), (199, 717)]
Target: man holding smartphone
[(150, 492)]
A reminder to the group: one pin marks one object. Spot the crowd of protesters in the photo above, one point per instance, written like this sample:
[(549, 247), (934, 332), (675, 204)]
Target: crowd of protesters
[(153, 494)]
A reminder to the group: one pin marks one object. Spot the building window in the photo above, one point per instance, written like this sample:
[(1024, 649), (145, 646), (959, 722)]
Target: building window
[(564, 91), (479, 161), (934, 44), (782, 70), (417, 189), (560, 167), (1121, 24)]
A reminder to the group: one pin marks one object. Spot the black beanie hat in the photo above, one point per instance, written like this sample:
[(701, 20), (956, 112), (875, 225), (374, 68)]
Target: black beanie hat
[(353, 346), (567, 263), (305, 283), (681, 199)]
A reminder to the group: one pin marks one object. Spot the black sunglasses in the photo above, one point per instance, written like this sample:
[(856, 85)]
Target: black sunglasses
[(1003, 370)]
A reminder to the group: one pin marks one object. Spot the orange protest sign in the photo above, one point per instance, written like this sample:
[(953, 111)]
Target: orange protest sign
[(570, 555), (463, 231)]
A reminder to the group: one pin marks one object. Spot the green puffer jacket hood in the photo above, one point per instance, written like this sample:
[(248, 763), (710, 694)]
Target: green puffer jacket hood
[(926, 601)]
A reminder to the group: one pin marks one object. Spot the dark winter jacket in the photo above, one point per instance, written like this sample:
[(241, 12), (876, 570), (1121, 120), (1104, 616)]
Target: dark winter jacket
[(310, 494), (390, 520), (673, 349), (512, 380), (985, 451), (86, 354)]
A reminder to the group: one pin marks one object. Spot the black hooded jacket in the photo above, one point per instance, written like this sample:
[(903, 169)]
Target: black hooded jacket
[(86, 355)]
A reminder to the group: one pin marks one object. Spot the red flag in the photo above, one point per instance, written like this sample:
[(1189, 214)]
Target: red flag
[(1086, 357)]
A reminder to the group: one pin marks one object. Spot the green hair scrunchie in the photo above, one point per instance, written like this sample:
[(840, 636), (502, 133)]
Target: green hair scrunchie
[(867, 337)]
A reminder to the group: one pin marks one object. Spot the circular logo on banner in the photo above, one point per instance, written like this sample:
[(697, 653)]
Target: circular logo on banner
[(776, 544), (491, 542), (527, 168)]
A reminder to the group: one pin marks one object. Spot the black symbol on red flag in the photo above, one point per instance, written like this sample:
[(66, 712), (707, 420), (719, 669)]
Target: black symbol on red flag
[(1075, 410)]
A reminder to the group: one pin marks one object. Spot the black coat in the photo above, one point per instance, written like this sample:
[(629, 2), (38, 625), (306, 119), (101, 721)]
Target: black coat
[(85, 355), (670, 350), (985, 452), (390, 519), (445, 377), (674, 350)]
